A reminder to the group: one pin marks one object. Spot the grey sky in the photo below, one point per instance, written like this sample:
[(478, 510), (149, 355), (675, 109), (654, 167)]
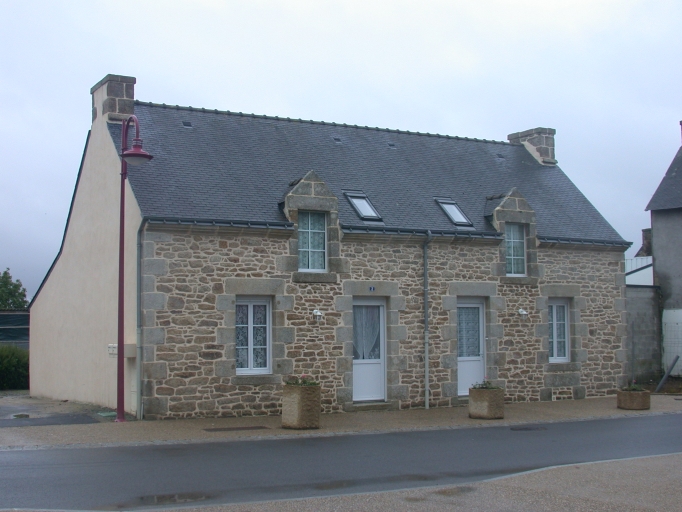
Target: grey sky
[(605, 74)]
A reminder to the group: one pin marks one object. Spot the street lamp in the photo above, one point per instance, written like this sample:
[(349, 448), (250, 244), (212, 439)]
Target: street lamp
[(133, 156)]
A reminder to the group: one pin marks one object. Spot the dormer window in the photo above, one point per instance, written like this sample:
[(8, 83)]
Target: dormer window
[(454, 213), (362, 206)]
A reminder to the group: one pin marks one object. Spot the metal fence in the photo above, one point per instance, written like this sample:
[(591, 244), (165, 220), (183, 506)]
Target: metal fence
[(672, 346)]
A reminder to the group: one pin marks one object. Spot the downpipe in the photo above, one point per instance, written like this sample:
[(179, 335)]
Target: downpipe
[(138, 339), (429, 238)]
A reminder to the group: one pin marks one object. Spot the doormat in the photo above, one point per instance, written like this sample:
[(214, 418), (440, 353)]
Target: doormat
[(233, 429)]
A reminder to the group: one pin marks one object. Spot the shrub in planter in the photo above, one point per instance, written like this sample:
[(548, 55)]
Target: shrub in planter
[(486, 401), (634, 397), (13, 368), (301, 403)]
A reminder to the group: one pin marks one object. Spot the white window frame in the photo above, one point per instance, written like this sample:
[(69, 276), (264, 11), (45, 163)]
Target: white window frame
[(252, 301), (508, 256), (553, 303), (326, 265)]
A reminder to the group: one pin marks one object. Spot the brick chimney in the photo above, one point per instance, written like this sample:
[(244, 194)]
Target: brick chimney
[(113, 97), (539, 142)]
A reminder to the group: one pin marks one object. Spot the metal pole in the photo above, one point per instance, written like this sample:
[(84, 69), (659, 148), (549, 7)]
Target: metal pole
[(667, 374), (429, 237), (120, 373)]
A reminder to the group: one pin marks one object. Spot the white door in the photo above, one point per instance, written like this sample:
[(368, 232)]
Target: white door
[(470, 346), (369, 376)]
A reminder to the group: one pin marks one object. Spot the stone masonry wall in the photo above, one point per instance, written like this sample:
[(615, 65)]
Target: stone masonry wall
[(191, 280)]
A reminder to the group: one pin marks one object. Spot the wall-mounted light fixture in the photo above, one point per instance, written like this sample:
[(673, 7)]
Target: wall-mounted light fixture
[(523, 313), (317, 315)]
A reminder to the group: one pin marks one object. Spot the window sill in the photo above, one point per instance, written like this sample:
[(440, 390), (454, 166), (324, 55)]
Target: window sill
[(314, 277), (256, 380), (528, 281), (562, 366)]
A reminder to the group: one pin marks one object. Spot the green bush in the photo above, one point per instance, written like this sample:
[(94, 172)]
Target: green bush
[(13, 368)]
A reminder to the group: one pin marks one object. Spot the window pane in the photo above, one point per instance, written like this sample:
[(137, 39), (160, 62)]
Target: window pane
[(260, 314), (468, 332), (518, 266), (317, 221), (242, 336), (304, 220), (363, 207), (304, 240), (260, 357), (260, 336), (317, 241), (316, 260), (242, 358), (303, 259), (242, 314), (366, 332), (454, 213)]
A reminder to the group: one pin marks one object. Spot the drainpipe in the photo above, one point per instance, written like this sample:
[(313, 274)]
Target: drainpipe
[(429, 237), (138, 340)]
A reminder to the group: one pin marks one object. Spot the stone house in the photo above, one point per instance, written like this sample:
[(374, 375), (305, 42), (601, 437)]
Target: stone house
[(259, 247)]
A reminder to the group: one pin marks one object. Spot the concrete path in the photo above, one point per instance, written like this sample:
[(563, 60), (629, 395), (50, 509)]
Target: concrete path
[(107, 433)]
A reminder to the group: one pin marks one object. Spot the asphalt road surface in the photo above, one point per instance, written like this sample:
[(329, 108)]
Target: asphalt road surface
[(241, 471)]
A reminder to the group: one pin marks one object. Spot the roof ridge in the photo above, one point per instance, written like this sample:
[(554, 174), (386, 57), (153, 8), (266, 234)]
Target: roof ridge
[(344, 125)]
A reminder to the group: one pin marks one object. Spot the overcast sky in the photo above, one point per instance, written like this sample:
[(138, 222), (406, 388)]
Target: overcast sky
[(607, 75)]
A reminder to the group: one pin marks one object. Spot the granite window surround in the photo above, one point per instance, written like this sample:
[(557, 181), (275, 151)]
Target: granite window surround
[(485, 292), (310, 194), (281, 334)]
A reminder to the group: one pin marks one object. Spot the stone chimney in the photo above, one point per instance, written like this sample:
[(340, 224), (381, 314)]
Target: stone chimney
[(113, 98), (539, 142), (645, 250)]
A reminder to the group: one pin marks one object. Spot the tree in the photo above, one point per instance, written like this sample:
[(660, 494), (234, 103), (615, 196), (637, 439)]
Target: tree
[(12, 293)]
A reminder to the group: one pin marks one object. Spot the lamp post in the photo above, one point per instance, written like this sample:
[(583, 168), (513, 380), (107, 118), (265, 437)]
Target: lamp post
[(133, 156)]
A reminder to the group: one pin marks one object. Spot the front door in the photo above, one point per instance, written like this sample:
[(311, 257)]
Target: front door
[(369, 376), (470, 346)]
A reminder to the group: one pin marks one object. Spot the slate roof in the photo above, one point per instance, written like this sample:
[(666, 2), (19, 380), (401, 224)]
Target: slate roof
[(669, 192), (232, 167)]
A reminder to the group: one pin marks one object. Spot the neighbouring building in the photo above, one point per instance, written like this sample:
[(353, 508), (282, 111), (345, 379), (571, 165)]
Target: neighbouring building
[(259, 247), (666, 246), (14, 328)]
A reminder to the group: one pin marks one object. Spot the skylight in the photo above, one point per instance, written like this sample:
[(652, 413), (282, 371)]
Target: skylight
[(187, 124), (454, 213), (362, 206)]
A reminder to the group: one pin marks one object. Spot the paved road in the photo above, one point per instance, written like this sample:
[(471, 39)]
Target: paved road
[(213, 473)]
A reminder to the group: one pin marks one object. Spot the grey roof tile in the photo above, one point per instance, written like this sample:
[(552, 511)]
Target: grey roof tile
[(237, 167), (669, 192)]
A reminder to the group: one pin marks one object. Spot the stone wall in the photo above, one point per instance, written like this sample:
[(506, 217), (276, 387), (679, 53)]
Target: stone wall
[(193, 277)]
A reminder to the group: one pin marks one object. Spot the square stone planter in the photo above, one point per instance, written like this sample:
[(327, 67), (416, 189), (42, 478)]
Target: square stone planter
[(634, 400), (301, 407), (486, 404)]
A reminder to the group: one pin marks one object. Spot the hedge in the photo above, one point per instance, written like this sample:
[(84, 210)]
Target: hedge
[(13, 368)]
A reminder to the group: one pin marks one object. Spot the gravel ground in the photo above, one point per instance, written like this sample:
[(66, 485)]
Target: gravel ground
[(644, 484)]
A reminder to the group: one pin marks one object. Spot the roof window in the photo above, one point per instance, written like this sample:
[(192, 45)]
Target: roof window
[(362, 206), (391, 145), (187, 124), (454, 212), (337, 140)]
